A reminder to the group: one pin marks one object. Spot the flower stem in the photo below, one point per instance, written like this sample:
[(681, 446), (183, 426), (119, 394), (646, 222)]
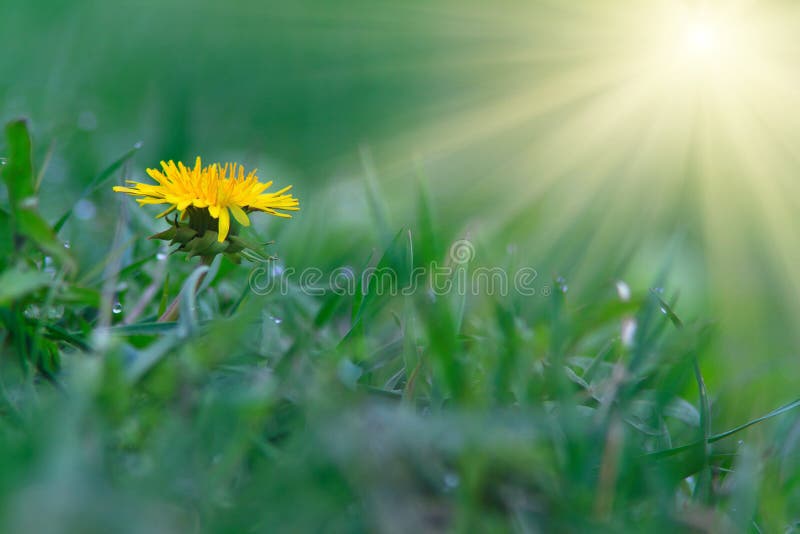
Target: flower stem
[(173, 310)]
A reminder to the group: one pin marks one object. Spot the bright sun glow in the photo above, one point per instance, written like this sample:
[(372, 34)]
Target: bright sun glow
[(715, 47), (701, 38), (662, 103)]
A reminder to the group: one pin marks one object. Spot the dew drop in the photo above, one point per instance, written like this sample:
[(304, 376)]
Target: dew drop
[(561, 282), (67, 244), (161, 256), (623, 291), (117, 309), (276, 320), (138, 145), (451, 481), (664, 310), (628, 331), (3, 161), (29, 203), (49, 266), (55, 312), (85, 210)]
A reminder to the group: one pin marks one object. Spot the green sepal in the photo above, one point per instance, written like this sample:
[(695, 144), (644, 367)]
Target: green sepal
[(216, 248), (167, 235), (203, 241), (200, 245), (184, 234)]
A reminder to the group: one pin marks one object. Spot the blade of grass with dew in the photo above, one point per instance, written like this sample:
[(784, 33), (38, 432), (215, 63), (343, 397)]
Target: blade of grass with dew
[(99, 181), (19, 179)]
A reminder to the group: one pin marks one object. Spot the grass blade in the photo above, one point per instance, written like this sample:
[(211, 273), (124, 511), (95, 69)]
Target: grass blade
[(728, 433), (102, 179)]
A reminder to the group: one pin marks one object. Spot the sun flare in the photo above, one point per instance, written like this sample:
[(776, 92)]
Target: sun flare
[(726, 48), (701, 39), (661, 103)]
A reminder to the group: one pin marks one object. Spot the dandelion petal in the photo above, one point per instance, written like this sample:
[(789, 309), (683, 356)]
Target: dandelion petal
[(239, 214), (224, 224)]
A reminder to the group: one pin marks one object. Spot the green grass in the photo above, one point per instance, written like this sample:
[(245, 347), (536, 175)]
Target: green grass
[(413, 132), (356, 412)]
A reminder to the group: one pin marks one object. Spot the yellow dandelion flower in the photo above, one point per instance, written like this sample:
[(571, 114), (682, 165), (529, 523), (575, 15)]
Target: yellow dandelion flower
[(223, 190)]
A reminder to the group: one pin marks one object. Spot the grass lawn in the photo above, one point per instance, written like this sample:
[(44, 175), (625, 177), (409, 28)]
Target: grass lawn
[(540, 273)]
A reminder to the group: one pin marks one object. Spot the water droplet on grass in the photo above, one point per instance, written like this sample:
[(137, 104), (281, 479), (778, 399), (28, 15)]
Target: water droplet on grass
[(3, 161), (276, 320), (628, 331), (161, 256), (117, 309), (49, 266), (623, 291), (67, 244), (29, 203), (561, 282)]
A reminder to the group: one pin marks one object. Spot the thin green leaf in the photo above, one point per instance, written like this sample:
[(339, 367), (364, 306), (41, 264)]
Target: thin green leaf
[(58, 333), (100, 180), (728, 433), (162, 305), (18, 171), (19, 179), (6, 235), (15, 283), (146, 359), (144, 329), (188, 300), (428, 237)]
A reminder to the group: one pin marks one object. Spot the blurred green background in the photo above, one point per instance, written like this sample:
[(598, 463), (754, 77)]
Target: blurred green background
[(516, 116), (318, 94)]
